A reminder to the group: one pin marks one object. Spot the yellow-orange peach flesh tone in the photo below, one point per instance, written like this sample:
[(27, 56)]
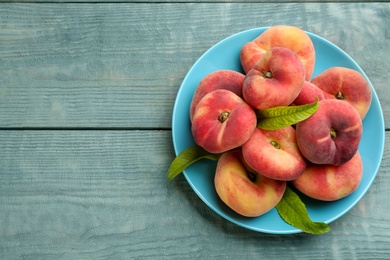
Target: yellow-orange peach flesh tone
[(246, 193)]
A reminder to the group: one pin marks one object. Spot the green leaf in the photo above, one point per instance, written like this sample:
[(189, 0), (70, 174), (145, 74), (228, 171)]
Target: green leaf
[(282, 116), (293, 211), (188, 157)]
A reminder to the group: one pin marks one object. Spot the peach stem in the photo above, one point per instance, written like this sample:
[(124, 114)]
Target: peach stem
[(333, 133), (275, 144), (340, 95), (267, 75), (223, 116)]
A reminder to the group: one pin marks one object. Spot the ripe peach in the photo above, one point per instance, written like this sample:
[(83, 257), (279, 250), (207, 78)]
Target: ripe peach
[(274, 154), (309, 94), (222, 121), (275, 80), (330, 182), (332, 134), (220, 79), (247, 193), (346, 84), (250, 54), (290, 37)]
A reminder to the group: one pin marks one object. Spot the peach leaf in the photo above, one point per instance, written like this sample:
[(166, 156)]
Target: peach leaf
[(293, 211), (283, 116), (187, 157)]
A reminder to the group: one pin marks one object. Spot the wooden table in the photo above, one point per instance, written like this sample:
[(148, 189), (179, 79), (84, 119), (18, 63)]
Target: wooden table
[(86, 98)]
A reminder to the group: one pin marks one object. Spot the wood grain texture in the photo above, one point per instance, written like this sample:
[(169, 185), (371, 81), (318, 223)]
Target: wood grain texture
[(103, 195), (121, 65), (85, 90)]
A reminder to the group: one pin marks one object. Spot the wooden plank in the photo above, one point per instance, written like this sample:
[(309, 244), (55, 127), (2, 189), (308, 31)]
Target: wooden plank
[(120, 65), (103, 194)]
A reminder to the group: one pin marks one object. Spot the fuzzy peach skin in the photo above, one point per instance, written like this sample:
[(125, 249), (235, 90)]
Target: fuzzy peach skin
[(275, 80), (274, 154), (290, 37), (329, 182), (332, 134), (346, 84), (310, 93), (246, 193), (220, 79), (222, 121)]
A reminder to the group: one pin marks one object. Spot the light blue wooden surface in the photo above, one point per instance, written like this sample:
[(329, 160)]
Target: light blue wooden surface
[(86, 98)]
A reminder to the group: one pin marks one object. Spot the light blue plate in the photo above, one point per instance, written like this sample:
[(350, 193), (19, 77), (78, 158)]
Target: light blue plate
[(200, 176)]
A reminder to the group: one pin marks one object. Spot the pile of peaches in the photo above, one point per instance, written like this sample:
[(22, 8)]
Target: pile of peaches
[(319, 155)]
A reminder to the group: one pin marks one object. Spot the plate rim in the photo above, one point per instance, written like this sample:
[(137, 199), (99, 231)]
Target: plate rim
[(293, 230)]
